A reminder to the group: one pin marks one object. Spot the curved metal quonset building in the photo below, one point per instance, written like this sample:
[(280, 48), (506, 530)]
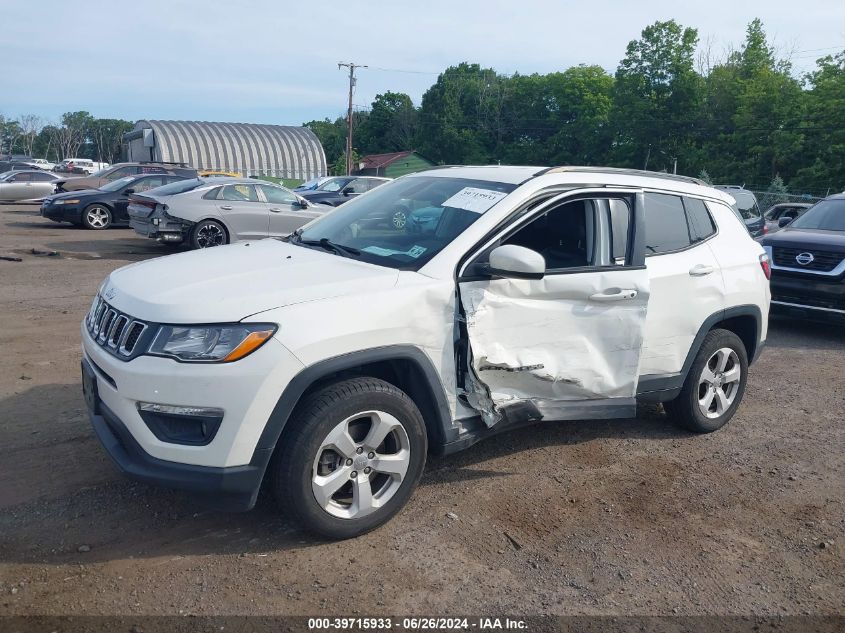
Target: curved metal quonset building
[(246, 148)]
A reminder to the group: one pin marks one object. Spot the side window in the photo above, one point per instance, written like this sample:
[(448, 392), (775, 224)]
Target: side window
[(212, 194), (277, 195), (121, 172), (700, 223), (372, 184), (563, 235), (42, 178), (145, 169), (665, 224), (22, 177), (239, 193), (359, 185), (145, 184)]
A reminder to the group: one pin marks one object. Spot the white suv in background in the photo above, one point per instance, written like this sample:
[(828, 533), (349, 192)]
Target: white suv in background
[(332, 361)]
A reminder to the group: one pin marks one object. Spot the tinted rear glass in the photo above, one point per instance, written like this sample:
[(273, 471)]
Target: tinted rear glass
[(665, 224), (746, 203), (180, 187)]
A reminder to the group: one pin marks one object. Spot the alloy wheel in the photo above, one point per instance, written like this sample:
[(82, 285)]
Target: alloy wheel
[(719, 382), (98, 217), (210, 235), (360, 464)]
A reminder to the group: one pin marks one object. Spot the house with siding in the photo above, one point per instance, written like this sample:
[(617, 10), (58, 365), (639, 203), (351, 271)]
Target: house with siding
[(393, 165)]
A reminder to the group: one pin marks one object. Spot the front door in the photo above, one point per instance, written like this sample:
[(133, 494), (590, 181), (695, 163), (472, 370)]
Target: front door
[(245, 215), (286, 212), (566, 346)]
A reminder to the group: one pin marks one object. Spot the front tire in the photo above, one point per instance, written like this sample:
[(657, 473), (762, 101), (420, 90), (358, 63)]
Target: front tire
[(96, 217), (714, 385), (352, 456), (207, 234)]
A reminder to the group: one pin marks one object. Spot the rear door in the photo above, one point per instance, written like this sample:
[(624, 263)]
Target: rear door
[(286, 214), (245, 215), (566, 346)]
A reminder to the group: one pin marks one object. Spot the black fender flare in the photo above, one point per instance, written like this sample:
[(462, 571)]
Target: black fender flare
[(660, 388), (300, 383)]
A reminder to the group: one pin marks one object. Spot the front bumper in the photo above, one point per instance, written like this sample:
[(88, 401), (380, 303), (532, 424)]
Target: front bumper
[(61, 212), (808, 296), (232, 463), (233, 489)]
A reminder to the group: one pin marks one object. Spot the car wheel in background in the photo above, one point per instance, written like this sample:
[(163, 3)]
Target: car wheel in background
[(96, 217), (351, 458), (208, 233), (714, 385)]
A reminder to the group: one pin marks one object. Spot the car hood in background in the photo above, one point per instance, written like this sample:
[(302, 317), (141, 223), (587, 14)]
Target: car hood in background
[(67, 195), (229, 283), (805, 238)]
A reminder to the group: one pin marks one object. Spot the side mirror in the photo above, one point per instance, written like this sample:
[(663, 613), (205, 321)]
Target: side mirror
[(517, 262), (303, 203), (126, 192), (782, 222), (348, 191)]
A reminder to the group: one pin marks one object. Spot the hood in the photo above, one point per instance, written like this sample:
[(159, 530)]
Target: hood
[(228, 283), (807, 238), (81, 193), (76, 184)]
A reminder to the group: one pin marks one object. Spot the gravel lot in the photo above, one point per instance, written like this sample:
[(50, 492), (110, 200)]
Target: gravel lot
[(619, 517)]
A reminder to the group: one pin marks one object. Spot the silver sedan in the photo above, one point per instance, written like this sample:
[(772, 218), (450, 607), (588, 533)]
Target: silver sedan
[(26, 185), (215, 211)]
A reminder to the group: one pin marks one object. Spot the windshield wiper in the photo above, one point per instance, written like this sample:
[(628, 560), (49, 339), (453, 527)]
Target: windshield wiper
[(327, 244)]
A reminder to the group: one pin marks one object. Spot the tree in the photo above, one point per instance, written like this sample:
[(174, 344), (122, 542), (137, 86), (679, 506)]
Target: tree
[(705, 177), (390, 125), (30, 125), (775, 194), (107, 137), (657, 97), (75, 130)]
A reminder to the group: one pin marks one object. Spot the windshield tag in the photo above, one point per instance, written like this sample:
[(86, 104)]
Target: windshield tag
[(473, 199)]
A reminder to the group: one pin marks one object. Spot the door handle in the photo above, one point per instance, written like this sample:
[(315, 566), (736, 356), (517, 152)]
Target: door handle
[(275, 210), (226, 207), (699, 270), (614, 294)]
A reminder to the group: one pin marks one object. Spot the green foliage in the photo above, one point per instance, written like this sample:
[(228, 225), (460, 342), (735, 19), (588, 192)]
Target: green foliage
[(705, 177), (775, 194)]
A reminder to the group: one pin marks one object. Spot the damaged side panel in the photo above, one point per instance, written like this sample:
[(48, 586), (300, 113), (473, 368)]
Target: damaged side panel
[(544, 349)]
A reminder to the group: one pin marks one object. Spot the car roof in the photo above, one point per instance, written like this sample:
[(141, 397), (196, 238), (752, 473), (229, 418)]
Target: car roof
[(580, 175), (231, 180)]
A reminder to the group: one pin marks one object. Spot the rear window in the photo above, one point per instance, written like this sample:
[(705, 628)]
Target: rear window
[(700, 223), (181, 186), (665, 224), (746, 204)]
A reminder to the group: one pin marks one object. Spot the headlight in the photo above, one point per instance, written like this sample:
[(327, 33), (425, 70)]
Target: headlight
[(210, 343), (65, 201)]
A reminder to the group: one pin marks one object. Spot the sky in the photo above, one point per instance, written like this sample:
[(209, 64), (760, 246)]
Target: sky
[(265, 61)]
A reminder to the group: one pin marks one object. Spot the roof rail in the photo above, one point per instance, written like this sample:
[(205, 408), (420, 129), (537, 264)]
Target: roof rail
[(627, 172), (162, 162)]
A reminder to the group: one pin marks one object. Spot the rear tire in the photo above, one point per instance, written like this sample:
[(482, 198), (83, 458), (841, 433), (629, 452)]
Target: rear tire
[(208, 233), (352, 455), (96, 217), (714, 385)]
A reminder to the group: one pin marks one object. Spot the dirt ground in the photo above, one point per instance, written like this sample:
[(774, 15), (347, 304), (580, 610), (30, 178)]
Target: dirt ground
[(612, 517)]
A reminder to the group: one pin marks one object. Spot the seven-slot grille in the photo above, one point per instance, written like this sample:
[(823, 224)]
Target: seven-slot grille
[(823, 261), (113, 330)]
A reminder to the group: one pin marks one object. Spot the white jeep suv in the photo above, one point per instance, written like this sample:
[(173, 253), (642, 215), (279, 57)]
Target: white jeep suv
[(330, 362)]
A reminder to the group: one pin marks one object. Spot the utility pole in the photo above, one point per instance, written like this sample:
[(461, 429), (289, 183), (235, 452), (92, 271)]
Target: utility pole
[(352, 66)]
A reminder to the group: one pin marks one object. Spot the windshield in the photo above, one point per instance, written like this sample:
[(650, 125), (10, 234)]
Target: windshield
[(334, 184), (827, 215), (117, 185), (405, 223)]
